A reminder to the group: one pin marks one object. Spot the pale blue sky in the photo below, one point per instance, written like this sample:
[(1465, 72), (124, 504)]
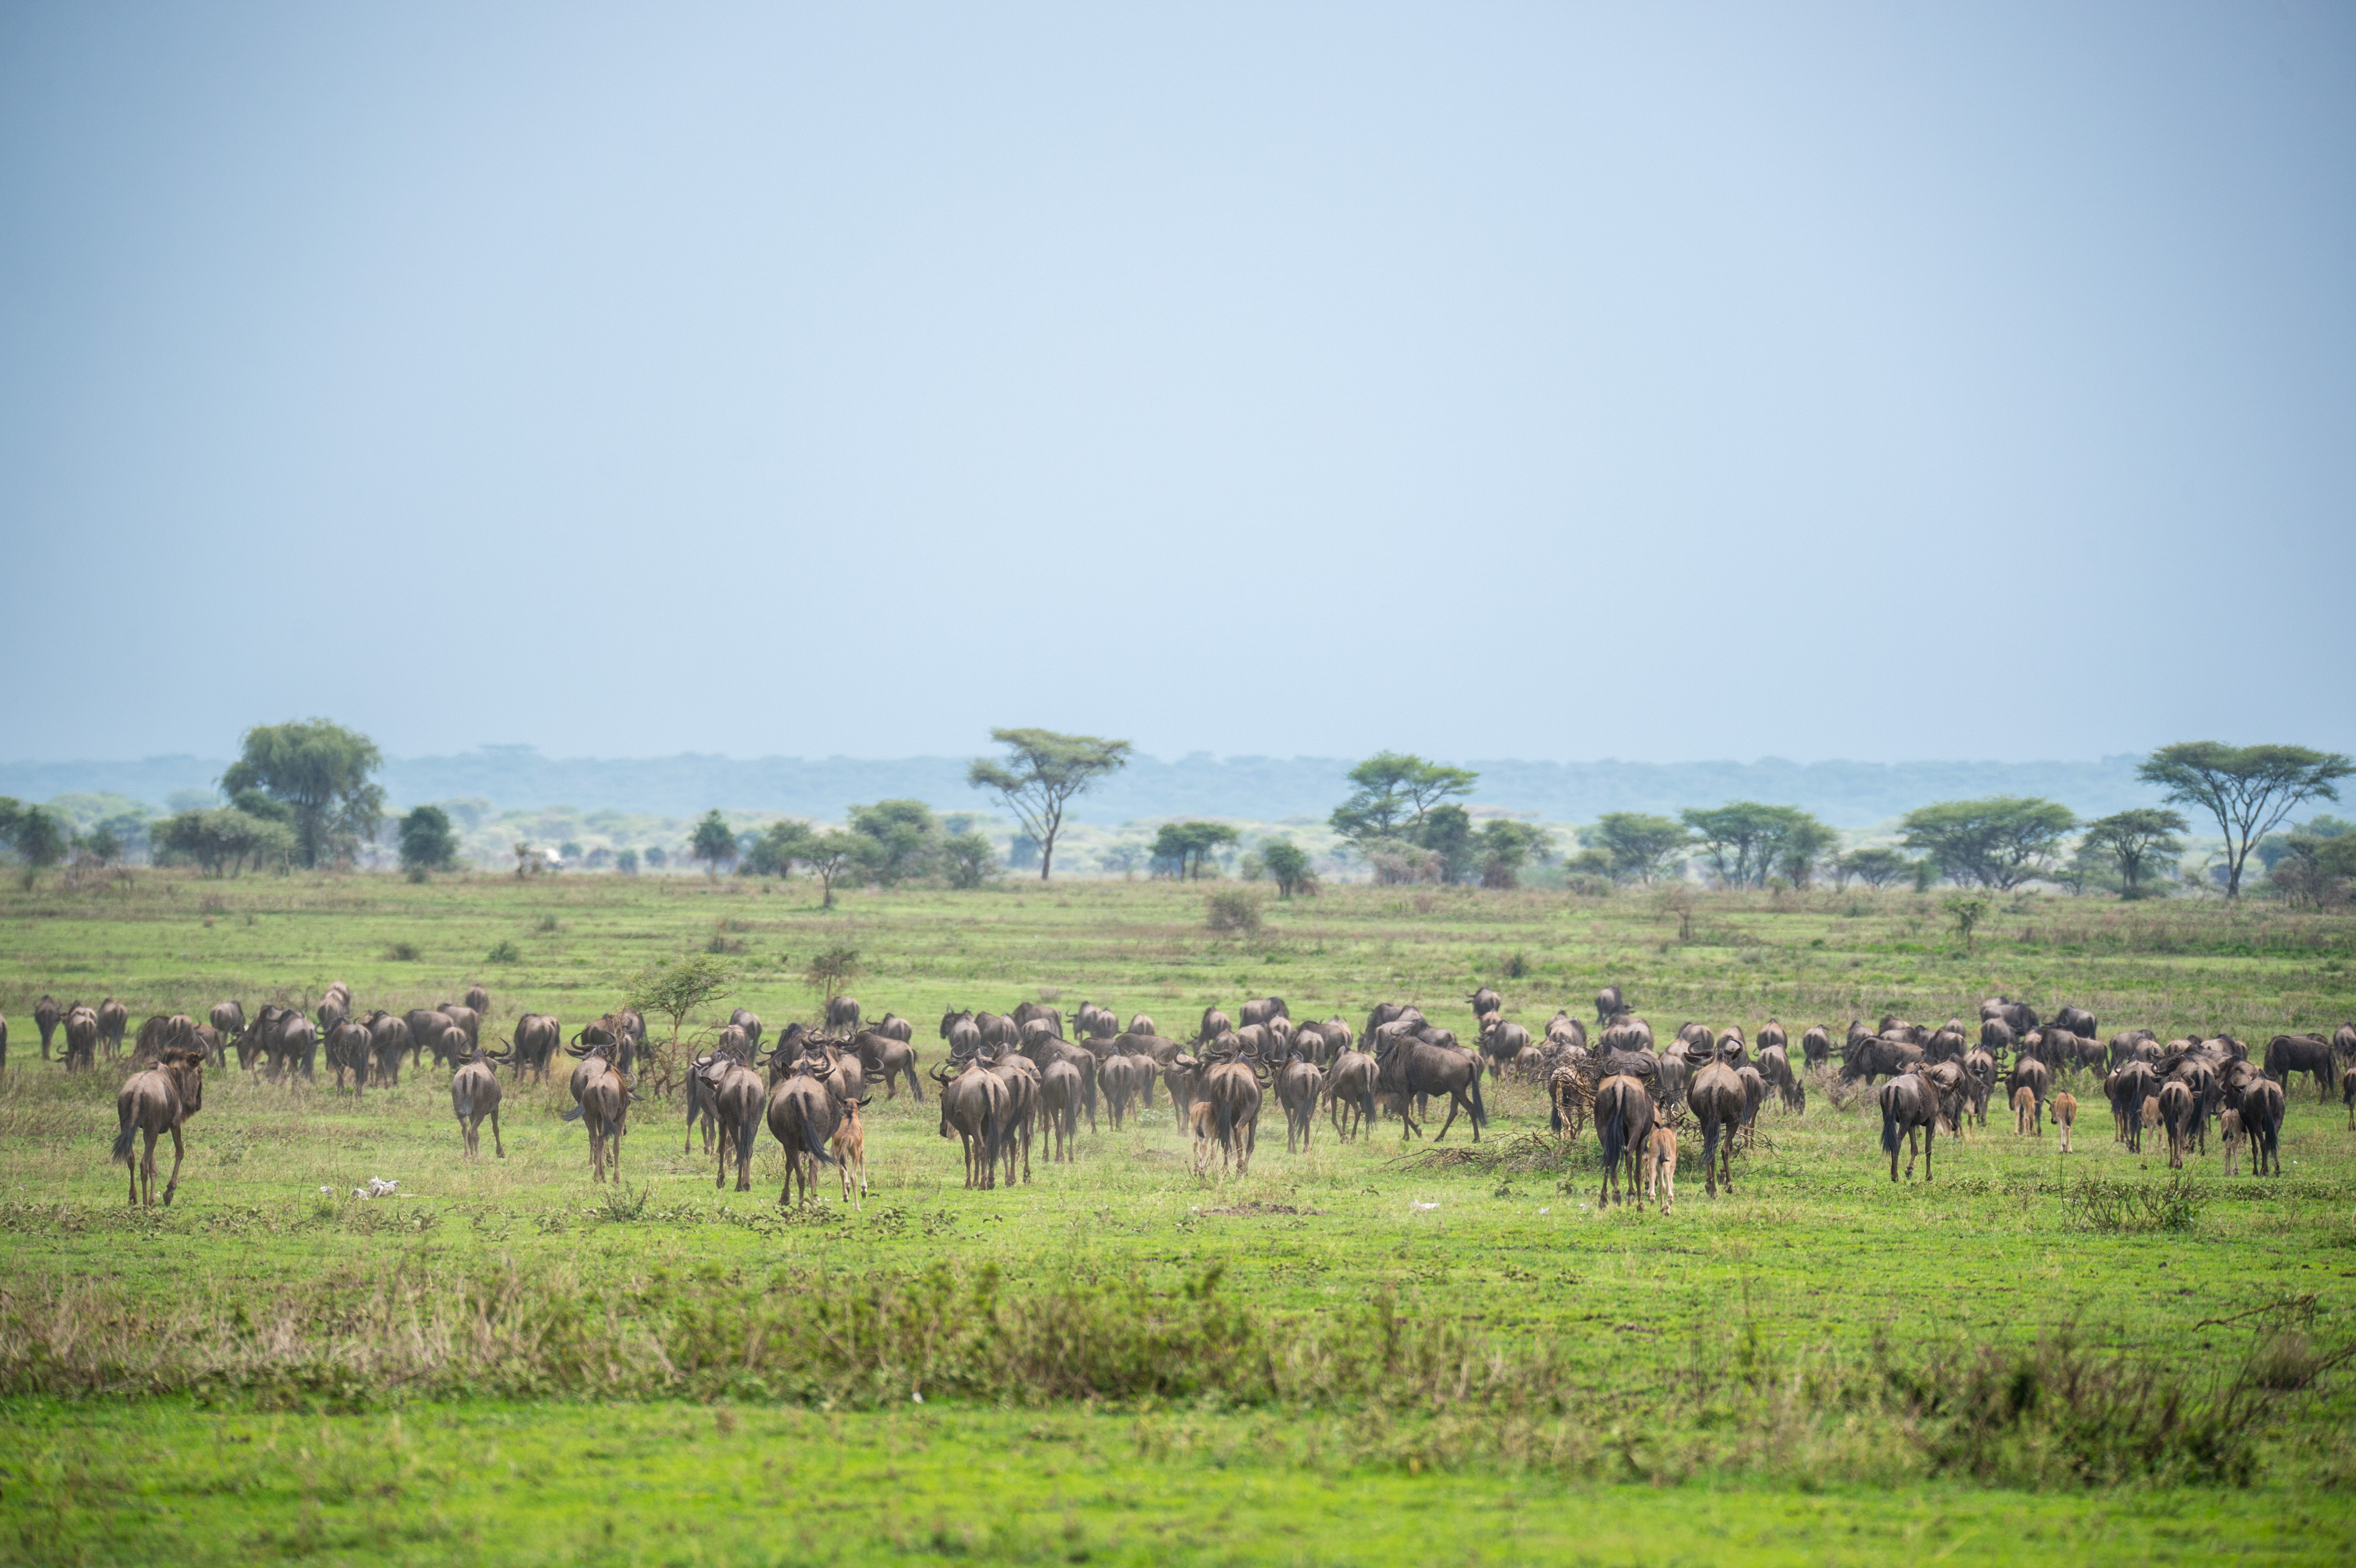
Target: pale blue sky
[(1648, 382)]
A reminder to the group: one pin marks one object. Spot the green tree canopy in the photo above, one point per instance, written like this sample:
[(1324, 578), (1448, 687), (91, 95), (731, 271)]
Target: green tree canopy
[(1187, 845), (781, 846), (713, 843), (319, 772), (1393, 793), (1803, 850), (969, 860), (1999, 842), (834, 855), (908, 842), (1874, 868), (225, 839), (1041, 773), (2249, 790), (427, 845), (1640, 847), (674, 987), (1506, 846), (2137, 842), (1287, 866), (1447, 831), (36, 835), (1744, 841)]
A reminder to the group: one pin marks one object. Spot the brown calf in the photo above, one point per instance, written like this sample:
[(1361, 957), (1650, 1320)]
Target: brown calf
[(1661, 1166), (2065, 1116)]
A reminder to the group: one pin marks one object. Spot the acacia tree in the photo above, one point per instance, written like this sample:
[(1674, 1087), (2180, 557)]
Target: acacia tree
[(1041, 773), (674, 987), (907, 839), (1288, 864), (1875, 868), (1506, 846), (1188, 844), (1395, 793), (319, 772), (2000, 842), (2248, 789), (34, 834), (1744, 841), (2134, 840), (1640, 847), (833, 855)]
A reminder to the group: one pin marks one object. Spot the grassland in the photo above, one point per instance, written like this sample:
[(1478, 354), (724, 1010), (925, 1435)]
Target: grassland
[(1121, 1359)]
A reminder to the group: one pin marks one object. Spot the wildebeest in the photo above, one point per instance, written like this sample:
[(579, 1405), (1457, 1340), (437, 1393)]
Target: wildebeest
[(851, 1151), (474, 1094), (602, 1098), (81, 1037), (802, 1116), (1502, 1044), (1059, 1104), (973, 1106), (2176, 1115), (2065, 1118), (2126, 1089), (842, 1014), (1415, 1065), (749, 1021), (887, 1058), (350, 1046), (2229, 1134), (1715, 1098), (388, 1038), (537, 1035), (157, 1101), (1231, 1089), (1298, 1086), (2028, 1117), (425, 1026), (1661, 1166), (1873, 1056), (738, 1098), (1215, 1024), (1120, 1077), (2033, 1076), (2261, 1103), (1624, 1126), (2018, 1017), (114, 1018), (1484, 1002), (2348, 1096), (46, 1015), (479, 999), (1608, 1004), (1816, 1047), (2078, 1022), (1350, 1092), (466, 1018), (1909, 1104), (230, 1018), (1260, 1009), (2292, 1053)]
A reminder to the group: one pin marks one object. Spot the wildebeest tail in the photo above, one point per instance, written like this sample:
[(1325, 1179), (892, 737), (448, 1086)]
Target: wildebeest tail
[(1480, 1112), (465, 1107), (574, 1115), (746, 1131), (1889, 1127), (123, 1142), (814, 1143), (1610, 1131)]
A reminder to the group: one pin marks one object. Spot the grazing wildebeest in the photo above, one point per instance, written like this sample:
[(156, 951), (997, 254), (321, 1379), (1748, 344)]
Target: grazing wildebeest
[(1908, 1103), (1717, 1099), (603, 1104), (2176, 1115), (425, 1026), (1350, 1092), (2126, 1089), (114, 1018), (230, 1018), (157, 1101), (2078, 1022), (474, 1094), (2261, 1103), (1021, 1076), (2348, 1096), (81, 1037), (1415, 1065), (349, 1045), (892, 1026), (2292, 1053), (45, 1014), (1502, 1044), (842, 1013), (1120, 1077), (802, 1118), (887, 1058), (1661, 1166), (1059, 1104), (749, 1021), (973, 1106), (479, 999), (737, 1097), (1299, 1085), (1624, 1126), (388, 1038), (1608, 1004), (2065, 1116), (1231, 1089), (1485, 1001), (537, 1035), (1873, 1056), (1260, 1009), (2018, 1017), (1816, 1047), (1215, 1024), (2033, 1076), (466, 1018)]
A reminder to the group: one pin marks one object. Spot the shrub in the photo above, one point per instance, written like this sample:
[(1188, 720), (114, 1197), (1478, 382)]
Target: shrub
[(504, 952), (1237, 910), (403, 952)]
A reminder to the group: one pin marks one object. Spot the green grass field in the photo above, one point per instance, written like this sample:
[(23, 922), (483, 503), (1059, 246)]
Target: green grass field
[(1120, 1361)]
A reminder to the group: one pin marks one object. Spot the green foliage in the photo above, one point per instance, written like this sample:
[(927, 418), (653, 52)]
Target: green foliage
[(2000, 842), (1505, 847), (1638, 847), (34, 834), (908, 842), (968, 860), (2315, 871), (427, 844), (834, 855), (784, 845), (1394, 792), (1041, 773), (103, 844), (1446, 832), (2249, 790), (504, 952), (1186, 847), (225, 840), (1966, 910), (674, 987), (713, 843), (831, 971), (625, 861), (2136, 842), (1746, 842), (1235, 910), (1287, 866), (320, 772), (1874, 868)]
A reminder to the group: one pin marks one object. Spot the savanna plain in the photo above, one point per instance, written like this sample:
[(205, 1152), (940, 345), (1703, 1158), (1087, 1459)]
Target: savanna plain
[(1369, 1351)]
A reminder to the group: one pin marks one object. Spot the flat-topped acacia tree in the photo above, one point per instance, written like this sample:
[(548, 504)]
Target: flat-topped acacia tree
[(2248, 789), (1041, 773)]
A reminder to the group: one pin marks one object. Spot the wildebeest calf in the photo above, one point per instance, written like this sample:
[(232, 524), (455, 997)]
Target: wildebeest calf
[(1661, 1166), (2065, 1116)]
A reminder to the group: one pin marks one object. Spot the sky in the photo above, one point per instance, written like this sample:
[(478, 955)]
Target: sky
[(1661, 381)]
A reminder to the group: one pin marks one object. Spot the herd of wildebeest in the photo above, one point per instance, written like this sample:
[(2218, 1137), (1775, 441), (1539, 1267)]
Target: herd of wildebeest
[(1008, 1077)]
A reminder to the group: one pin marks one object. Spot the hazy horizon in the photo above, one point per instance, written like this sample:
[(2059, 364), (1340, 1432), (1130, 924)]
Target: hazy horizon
[(1544, 382)]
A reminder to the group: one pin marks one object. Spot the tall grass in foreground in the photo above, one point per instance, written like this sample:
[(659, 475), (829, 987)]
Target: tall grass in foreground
[(1426, 1388)]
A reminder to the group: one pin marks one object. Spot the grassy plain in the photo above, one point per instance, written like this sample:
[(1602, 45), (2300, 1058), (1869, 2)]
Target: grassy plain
[(541, 1372)]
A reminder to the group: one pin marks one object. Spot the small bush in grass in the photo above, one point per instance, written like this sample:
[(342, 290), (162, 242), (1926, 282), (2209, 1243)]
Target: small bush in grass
[(403, 952), (1237, 910), (505, 952), (2118, 1206)]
